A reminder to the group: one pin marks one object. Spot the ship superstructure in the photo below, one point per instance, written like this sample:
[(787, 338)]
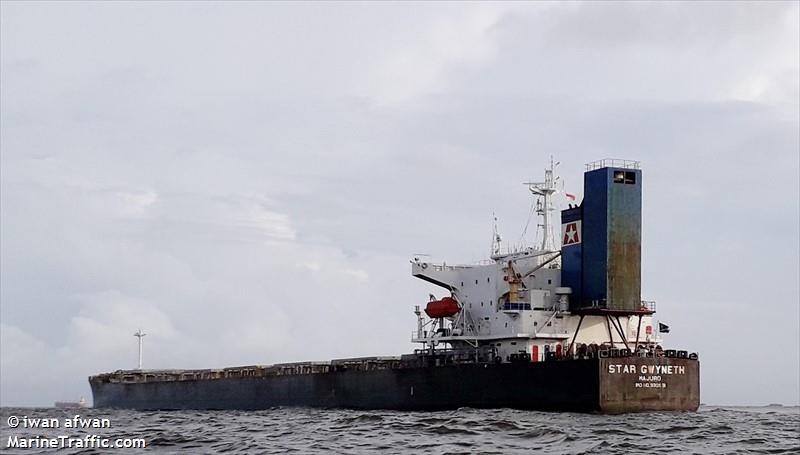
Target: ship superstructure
[(541, 302)]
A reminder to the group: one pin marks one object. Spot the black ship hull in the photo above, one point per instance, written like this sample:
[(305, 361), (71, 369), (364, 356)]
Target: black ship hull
[(588, 385)]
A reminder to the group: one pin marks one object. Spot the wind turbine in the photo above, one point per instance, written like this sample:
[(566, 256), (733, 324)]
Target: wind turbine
[(139, 334)]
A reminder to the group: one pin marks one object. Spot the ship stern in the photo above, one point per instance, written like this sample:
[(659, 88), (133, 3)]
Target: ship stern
[(636, 384)]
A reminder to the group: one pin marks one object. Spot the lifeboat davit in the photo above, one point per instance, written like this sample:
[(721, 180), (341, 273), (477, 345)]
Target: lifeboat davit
[(443, 308)]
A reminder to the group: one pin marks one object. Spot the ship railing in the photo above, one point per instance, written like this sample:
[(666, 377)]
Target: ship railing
[(516, 306), (613, 162), (644, 352), (416, 335), (448, 356), (443, 267), (606, 350), (431, 334), (649, 305)]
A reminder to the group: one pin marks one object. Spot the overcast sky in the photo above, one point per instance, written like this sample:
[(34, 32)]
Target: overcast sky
[(247, 181)]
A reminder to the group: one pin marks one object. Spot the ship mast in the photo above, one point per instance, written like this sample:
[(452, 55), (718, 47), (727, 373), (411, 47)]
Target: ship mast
[(544, 204), (497, 241)]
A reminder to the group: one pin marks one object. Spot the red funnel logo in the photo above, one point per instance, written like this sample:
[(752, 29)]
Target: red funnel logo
[(571, 233)]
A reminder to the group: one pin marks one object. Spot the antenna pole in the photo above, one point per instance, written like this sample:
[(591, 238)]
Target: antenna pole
[(139, 334), (496, 239), (544, 191)]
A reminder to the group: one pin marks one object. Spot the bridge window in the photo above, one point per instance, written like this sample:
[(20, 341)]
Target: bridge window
[(627, 177)]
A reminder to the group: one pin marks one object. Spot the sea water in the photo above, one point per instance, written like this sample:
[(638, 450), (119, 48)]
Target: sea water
[(711, 430)]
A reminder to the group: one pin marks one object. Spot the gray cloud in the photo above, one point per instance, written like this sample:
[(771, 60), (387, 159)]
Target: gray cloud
[(246, 182)]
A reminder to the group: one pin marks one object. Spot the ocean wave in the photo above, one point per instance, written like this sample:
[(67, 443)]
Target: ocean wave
[(712, 430)]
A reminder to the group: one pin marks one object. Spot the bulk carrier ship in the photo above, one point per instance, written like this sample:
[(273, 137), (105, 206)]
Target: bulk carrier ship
[(536, 327)]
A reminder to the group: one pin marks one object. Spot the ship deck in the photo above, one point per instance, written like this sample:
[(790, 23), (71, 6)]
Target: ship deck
[(418, 359)]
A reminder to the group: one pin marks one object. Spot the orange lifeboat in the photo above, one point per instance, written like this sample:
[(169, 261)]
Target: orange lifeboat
[(443, 308)]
